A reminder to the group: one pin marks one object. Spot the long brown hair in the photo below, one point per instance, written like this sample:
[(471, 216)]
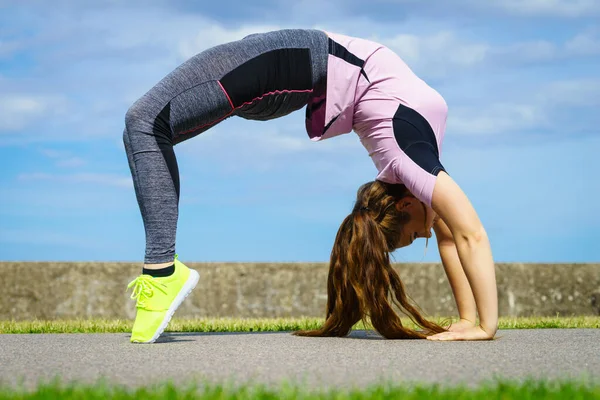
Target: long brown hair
[(360, 272)]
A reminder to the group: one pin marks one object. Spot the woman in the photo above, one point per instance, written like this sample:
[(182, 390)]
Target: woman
[(346, 84)]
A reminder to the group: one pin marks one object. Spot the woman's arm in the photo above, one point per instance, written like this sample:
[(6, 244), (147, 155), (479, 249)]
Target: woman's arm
[(465, 302), (474, 252)]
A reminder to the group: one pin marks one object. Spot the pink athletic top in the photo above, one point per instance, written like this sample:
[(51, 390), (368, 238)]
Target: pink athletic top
[(399, 118)]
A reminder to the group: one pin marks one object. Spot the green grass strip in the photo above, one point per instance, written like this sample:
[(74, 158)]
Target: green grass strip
[(502, 390), (260, 325)]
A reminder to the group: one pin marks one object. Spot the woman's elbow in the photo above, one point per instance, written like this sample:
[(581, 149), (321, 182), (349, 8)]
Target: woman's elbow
[(472, 237)]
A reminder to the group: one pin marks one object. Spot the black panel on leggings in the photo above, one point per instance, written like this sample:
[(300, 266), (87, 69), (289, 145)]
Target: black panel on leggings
[(416, 138), (282, 69), (162, 134)]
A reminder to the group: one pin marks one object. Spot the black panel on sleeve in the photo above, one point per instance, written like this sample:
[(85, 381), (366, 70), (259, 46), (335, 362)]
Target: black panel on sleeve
[(416, 139), (336, 49), (281, 69)]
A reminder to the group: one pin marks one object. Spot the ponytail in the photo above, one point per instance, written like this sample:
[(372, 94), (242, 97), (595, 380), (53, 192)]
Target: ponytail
[(361, 276)]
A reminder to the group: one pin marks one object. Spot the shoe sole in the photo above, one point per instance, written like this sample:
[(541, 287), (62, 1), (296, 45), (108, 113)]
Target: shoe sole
[(185, 291)]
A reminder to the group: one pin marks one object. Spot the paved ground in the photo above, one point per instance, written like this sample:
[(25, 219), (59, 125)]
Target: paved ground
[(358, 360)]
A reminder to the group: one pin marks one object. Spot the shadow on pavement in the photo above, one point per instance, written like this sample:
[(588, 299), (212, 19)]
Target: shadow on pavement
[(356, 334)]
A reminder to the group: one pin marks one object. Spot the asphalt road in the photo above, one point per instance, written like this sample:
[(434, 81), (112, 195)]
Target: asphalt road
[(361, 359)]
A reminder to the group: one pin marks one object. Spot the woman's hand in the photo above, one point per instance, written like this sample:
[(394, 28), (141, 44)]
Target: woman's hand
[(461, 325), (473, 333)]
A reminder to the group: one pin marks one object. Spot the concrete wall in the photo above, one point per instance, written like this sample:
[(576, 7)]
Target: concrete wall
[(51, 290)]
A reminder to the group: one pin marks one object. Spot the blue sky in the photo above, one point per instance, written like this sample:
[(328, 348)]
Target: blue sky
[(521, 78)]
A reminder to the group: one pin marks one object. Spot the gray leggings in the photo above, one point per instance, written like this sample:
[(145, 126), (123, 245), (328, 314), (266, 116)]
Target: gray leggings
[(262, 76)]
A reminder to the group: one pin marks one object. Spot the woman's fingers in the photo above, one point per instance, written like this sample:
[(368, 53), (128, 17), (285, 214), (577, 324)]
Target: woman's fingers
[(474, 333), (445, 336)]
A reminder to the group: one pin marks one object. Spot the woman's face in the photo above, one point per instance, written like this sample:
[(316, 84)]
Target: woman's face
[(420, 223)]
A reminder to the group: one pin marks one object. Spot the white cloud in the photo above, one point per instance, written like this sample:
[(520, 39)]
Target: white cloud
[(44, 236), (53, 153), (437, 53), (63, 158), (22, 110), (241, 146), (143, 44), (447, 52), (538, 50), (540, 112), (555, 8), (116, 64), (7, 48), (582, 92), (159, 33), (455, 9), (585, 44), (495, 118), (212, 34), (80, 178), (72, 162)]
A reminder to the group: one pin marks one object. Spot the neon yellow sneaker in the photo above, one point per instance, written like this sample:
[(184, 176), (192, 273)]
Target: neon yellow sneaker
[(157, 300)]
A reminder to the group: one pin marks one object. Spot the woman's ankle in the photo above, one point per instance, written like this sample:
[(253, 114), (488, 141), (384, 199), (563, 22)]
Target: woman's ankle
[(158, 266)]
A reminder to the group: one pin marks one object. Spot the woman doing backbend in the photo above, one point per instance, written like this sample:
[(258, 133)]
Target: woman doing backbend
[(346, 84)]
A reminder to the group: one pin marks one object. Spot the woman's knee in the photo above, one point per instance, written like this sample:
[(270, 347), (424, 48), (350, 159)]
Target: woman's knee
[(149, 119), (134, 115)]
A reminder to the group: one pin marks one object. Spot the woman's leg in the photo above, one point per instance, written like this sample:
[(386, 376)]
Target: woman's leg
[(184, 104), (181, 106)]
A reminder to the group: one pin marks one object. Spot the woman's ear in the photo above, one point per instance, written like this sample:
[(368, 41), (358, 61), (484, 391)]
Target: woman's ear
[(407, 204)]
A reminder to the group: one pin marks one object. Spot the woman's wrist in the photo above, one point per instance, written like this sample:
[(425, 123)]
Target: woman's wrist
[(470, 320), (488, 328)]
